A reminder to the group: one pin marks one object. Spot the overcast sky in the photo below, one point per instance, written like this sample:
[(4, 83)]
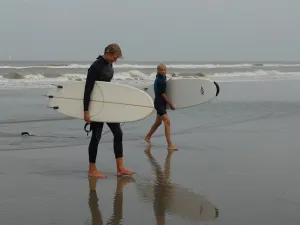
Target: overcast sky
[(194, 30)]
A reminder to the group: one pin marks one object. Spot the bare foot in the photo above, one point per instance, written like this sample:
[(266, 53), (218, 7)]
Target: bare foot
[(147, 139), (96, 173), (172, 147), (125, 172)]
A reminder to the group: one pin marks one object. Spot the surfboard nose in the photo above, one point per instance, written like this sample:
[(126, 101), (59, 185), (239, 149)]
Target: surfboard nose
[(218, 88)]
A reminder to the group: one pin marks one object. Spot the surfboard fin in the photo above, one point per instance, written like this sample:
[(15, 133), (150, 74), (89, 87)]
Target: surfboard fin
[(49, 96), (54, 107), (58, 86)]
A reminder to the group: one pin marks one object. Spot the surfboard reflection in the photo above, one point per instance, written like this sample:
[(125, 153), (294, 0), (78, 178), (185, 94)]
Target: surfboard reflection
[(173, 199), (117, 215)]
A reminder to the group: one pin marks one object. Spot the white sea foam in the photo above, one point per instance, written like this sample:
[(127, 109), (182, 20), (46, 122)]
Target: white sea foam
[(146, 66), (135, 77)]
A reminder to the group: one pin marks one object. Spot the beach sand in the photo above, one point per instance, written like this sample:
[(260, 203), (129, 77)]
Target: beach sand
[(237, 163)]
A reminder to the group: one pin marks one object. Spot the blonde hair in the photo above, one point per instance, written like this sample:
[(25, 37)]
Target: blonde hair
[(161, 66), (113, 49)]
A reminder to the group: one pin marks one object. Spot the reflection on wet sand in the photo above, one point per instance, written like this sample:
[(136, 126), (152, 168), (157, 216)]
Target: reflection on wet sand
[(173, 199), (117, 215)]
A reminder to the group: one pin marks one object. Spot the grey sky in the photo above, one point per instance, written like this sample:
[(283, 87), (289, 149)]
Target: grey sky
[(151, 30)]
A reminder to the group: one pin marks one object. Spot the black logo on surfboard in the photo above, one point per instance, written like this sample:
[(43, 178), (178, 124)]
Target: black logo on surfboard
[(202, 90)]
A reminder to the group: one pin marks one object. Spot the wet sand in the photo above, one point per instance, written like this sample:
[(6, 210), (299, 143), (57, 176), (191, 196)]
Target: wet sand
[(237, 164)]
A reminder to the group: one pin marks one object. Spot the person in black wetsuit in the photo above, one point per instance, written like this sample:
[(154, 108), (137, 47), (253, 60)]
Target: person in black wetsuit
[(102, 70), (160, 103)]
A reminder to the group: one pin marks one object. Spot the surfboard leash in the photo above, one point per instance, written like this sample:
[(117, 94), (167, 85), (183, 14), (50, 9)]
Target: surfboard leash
[(90, 129)]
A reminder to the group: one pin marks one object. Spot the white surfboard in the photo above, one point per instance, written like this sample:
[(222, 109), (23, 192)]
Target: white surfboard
[(110, 102), (187, 92)]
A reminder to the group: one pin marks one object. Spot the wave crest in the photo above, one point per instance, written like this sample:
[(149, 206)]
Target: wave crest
[(139, 76), (148, 66)]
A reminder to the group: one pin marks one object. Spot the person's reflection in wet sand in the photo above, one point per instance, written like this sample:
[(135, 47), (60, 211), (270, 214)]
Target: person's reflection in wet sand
[(162, 189), (93, 202), (171, 198), (117, 215)]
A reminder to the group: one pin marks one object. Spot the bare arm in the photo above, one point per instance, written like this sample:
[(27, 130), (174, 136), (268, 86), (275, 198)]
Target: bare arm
[(163, 93), (166, 99)]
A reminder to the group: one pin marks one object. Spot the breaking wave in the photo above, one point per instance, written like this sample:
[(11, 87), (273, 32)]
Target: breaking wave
[(19, 80), (146, 66)]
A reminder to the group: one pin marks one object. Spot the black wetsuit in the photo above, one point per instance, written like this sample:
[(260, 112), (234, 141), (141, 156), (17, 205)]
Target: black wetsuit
[(160, 85), (101, 70)]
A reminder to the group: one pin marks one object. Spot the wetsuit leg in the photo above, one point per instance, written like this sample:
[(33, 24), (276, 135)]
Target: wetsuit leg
[(118, 139), (96, 128)]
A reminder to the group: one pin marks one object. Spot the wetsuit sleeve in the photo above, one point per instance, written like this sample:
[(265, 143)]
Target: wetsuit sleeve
[(162, 87), (89, 85)]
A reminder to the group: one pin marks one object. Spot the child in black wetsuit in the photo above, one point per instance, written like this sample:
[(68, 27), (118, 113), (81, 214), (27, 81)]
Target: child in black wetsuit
[(160, 104)]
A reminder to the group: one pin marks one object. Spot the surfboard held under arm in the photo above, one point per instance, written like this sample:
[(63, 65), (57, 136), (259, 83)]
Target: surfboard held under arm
[(188, 92), (110, 102)]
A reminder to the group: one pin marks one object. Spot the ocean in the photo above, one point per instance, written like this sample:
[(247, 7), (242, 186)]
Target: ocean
[(237, 163), (30, 74)]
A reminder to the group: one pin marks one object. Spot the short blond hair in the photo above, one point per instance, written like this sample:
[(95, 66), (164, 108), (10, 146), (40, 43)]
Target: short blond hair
[(113, 48), (161, 66)]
